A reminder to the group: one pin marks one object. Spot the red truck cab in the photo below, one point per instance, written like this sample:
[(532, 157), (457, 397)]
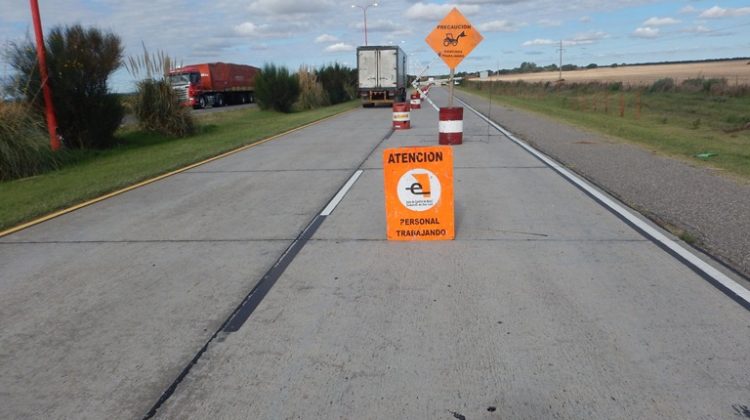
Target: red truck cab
[(214, 84)]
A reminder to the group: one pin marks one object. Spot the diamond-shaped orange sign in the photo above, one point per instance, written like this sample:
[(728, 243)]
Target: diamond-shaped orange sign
[(454, 38)]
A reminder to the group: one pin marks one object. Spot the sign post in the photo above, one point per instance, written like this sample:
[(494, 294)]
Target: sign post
[(453, 39), (419, 193)]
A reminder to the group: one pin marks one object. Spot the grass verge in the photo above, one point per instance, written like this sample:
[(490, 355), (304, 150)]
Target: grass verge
[(143, 156), (701, 129)]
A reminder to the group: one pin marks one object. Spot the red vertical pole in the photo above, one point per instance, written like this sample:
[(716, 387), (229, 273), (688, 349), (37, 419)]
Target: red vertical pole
[(54, 141)]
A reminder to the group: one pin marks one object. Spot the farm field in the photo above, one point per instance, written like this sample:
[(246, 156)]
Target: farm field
[(699, 121), (734, 71)]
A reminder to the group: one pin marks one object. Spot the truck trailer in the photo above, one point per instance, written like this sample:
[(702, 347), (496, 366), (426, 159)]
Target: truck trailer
[(214, 84), (382, 75)]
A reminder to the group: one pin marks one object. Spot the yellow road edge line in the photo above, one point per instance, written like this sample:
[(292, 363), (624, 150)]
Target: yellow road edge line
[(160, 177)]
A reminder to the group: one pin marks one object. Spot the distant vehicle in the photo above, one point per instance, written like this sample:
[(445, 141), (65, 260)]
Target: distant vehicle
[(382, 75), (214, 84), (446, 81)]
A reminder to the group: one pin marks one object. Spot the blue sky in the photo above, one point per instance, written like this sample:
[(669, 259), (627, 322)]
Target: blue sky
[(317, 32)]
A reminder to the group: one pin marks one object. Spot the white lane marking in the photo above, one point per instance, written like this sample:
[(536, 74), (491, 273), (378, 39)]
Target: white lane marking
[(709, 270), (432, 103), (340, 195)]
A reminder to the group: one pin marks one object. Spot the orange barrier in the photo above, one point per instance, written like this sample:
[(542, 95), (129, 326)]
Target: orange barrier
[(451, 126), (416, 101), (401, 116)]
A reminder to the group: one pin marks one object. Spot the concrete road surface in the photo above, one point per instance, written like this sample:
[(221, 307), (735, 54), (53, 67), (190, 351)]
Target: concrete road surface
[(547, 305)]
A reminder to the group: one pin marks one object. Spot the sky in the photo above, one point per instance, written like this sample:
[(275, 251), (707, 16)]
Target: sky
[(292, 33)]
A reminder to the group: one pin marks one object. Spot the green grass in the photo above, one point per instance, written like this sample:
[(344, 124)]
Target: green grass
[(141, 156), (680, 125)]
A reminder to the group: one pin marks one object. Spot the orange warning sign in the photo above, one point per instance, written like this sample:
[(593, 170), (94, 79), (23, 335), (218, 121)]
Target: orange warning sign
[(454, 38), (419, 193)]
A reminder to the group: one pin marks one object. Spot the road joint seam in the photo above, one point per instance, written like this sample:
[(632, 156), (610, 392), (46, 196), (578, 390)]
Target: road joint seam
[(248, 305)]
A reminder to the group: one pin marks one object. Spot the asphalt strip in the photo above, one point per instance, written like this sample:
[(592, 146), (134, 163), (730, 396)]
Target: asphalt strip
[(718, 279)]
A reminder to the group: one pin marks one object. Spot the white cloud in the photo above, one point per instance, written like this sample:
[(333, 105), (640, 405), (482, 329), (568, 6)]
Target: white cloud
[(380, 26), (436, 12), (586, 38), (538, 41), (498, 26), (700, 29), (646, 32), (580, 39), (253, 30), (290, 7), (585, 19), (325, 38), (249, 29), (688, 9), (717, 12), (549, 23), (656, 21), (339, 47)]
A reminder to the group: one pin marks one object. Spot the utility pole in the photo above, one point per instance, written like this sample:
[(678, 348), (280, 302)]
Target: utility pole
[(54, 140), (560, 68)]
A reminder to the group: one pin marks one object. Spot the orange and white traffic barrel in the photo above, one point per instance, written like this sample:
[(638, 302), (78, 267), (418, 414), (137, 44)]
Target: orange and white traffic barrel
[(401, 115), (416, 101), (451, 125)]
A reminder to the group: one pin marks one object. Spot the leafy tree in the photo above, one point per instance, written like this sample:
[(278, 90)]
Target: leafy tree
[(339, 82), (80, 61), (276, 88), (528, 67)]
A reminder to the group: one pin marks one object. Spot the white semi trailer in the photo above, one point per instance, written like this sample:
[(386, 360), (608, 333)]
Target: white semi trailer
[(382, 75)]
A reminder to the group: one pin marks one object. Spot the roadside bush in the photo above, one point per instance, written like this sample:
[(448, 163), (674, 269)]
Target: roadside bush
[(715, 86), (24, 143), (692, 85), (276, 88), (614, 86), (311, 94), (662, 85), (158, 109), (80, 61), (155, 104), (339, 82)]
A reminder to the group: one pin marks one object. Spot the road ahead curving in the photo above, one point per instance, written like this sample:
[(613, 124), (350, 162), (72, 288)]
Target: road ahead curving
[(547, 304)]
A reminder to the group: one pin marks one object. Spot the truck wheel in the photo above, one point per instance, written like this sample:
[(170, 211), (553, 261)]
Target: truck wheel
[(202, 102), (219, 100)]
